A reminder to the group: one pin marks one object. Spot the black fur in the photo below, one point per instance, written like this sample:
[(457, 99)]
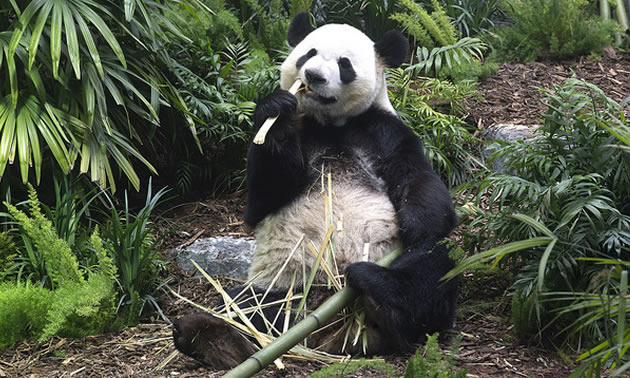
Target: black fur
[(346, 71), (304, 58), (299, 28), (392, 48)]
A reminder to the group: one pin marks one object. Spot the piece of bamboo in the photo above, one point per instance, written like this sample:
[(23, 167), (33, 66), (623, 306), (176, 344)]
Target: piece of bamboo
[(301, 330), (264, 129)]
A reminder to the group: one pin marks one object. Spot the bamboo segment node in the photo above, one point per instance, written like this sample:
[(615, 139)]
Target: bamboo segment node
[(266, 126)]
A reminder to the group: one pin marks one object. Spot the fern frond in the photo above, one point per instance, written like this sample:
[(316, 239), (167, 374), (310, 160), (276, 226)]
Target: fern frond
[(465, 49), (61, 264)]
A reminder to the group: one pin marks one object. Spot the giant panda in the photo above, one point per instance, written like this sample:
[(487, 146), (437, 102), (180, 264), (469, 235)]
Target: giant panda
[(384, 194)]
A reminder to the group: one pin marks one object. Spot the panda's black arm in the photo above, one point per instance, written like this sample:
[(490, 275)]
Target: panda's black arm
[(276, 173), (422, 201)]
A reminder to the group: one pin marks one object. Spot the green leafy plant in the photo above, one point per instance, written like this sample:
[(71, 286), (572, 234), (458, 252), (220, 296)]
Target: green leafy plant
[(473, 17), (465, 51), (65, 302), (265, 25), (429, 29), (343, 369), (431, 363), (570, 184), (436, 38), (67, 81), (220, 89), (557, 29), (130, 240), (373, 17), (449, 144)]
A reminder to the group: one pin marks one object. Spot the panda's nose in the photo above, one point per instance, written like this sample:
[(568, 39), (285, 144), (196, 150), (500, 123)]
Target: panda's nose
[(314, 78)]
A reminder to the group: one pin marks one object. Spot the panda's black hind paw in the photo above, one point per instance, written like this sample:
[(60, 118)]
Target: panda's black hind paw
[(211, 341), (363, 276)]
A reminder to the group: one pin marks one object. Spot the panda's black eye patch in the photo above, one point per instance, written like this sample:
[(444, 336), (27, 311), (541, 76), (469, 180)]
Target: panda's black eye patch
[(346, 71), (300, 62)]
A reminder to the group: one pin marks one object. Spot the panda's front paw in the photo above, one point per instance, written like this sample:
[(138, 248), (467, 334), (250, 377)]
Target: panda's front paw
[(363, 275), (280, 103)]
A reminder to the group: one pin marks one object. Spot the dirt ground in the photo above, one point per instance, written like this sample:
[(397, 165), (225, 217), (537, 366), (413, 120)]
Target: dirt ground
[(487, 348)]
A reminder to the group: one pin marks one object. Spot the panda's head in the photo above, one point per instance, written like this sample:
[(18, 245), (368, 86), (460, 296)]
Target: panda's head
[(342, 69)]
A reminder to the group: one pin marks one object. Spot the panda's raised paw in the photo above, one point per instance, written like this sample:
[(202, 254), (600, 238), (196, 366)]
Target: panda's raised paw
[(211, 341), (280, 103)]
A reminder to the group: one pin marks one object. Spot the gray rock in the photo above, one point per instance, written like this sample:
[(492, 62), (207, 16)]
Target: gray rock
[(221, 255), (508, 132), (505, 132)]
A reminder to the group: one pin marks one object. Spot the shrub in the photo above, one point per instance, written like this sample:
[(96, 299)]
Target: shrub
[(69, 83), (64, 302), (572, 182), (23, 311), (130, 240), (429, 29), (449, 144), (432, 364), (473, 17), (557, 29), (343, 369)]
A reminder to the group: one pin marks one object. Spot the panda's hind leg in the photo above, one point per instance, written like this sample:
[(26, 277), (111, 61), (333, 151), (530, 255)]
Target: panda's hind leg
[(211, 341), (407, 300), (216, 343)]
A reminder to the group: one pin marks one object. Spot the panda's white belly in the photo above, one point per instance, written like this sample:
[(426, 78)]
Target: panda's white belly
[(363, 220)]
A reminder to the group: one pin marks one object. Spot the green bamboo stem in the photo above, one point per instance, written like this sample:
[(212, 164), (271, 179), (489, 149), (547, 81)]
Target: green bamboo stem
[(301, 330), (622, 17), (604, 9), (621, 311)]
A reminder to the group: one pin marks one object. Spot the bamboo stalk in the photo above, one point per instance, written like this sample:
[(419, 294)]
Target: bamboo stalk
[(266, 126), (301, 330), (622, 17), (621, 312), (604, 9)]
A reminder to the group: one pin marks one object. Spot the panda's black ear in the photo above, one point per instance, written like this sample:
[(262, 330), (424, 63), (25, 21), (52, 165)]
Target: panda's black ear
[(392, 48), (299, 28)]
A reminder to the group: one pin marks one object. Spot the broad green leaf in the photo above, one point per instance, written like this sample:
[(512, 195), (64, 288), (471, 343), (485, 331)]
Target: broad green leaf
[(72, 42), (89, 42), (7, 124), (54, 141), (496, 254), (34, 110), (130, 7), (37, 32), (89, 99), (38, 83), (542, 265), (22, 23), (55, 39), (534, 224), (102, 27)]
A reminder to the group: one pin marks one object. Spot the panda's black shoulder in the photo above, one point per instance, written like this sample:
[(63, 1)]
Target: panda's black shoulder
[(386, 131)]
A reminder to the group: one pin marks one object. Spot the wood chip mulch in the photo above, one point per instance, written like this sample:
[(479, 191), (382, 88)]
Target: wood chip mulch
[(513, 95)]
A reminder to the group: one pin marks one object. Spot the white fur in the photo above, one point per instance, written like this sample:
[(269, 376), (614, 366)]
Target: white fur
[(334, 41), (367, 216)]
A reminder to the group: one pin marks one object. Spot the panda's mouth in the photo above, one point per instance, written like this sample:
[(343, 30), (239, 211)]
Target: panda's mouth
[(307, 91)]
